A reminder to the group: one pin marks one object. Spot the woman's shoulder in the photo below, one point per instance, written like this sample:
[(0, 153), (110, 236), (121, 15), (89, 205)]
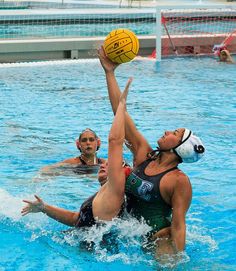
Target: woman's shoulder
[(73, 160), (178, 176)]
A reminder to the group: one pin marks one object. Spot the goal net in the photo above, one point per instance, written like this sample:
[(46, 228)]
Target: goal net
[(194, 29)]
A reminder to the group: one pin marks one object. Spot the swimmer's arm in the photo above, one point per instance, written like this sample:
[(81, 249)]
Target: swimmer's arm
[(65, 163), (164, 245), (139, 145), (61, 215), (229, 58), (48, 169), (115, 148), (66, 217), (171, 240), (180, 201)]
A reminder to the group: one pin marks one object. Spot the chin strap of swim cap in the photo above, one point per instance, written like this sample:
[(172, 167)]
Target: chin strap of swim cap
[(155, 153), (190, 149)]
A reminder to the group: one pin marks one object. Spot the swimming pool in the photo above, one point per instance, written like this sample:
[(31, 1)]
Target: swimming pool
[(44, 106), (71, 29)]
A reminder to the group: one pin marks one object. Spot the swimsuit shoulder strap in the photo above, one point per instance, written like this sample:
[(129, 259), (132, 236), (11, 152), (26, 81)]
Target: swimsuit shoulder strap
[(82, 161), (166, 171), (145, 163)]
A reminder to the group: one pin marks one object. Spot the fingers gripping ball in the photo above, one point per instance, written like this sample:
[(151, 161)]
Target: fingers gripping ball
[(121, 45)]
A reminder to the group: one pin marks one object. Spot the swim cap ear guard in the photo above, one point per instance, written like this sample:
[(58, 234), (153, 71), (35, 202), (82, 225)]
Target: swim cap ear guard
[(77, 142), (98, 143), (191, 148)]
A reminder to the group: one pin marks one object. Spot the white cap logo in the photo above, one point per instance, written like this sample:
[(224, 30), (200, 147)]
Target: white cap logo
[(191, 148)]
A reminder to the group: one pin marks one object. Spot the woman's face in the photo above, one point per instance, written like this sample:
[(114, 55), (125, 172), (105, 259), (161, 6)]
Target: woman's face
[(171, 139), (88, 143), (102, 173)]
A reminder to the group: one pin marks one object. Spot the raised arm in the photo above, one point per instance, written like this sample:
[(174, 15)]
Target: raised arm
[(64, 216), (140, 146), (108, 201), (116, 140)]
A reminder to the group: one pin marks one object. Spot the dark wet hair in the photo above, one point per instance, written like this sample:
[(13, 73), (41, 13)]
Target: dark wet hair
[(87, 130), (125, 164)]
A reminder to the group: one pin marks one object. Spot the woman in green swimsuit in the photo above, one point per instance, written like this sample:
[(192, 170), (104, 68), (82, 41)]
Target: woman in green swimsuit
[(157, 190)]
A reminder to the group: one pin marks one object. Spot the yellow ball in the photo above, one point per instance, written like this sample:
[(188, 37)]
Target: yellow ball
[(121, 45)]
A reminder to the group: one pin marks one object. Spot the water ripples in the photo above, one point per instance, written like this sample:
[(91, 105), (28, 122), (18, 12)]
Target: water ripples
[(40, 120)]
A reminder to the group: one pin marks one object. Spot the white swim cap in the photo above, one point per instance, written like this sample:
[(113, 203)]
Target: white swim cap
[(191, 149)]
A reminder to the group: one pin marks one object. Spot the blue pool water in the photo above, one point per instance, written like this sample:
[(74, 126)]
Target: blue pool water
[(44, 106)]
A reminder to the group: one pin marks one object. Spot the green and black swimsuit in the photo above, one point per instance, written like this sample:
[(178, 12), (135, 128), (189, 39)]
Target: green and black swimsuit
[(144, 198)]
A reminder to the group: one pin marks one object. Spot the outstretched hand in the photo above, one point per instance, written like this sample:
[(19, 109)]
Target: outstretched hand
[(106, 63), (124, 94), (33, 206)]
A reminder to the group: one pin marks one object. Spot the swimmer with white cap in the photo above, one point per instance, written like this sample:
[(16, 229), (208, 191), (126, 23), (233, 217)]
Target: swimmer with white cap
[(157, 190), (189, 150)]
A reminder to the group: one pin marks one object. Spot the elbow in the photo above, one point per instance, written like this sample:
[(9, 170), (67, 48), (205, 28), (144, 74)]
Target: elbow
[(115, 140), (74, 219)]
